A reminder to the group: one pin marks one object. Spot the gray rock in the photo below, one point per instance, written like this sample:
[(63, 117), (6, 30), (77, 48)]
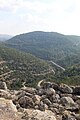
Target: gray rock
[(41, 106), (67, 101), (69, 104), (23, 93), (76, 97), (78, 102), (43, 97), (8, 110), (54, 105), (47, 101), (76, 90), (77, 116), (5, 94), (66, 95), (26, 102), (3, 85), (29, 90), (68, 117), (54, 110), (50, 92), (55, 98), (40, 115), (36, 99), (46, 85), (65, 88), (40, 91), (55, 86)]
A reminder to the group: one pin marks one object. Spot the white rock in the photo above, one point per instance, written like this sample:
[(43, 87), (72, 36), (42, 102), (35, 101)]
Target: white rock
[(8, 110), (40, 115)]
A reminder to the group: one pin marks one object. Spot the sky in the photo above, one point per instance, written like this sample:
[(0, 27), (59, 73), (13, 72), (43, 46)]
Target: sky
[(22, 16)]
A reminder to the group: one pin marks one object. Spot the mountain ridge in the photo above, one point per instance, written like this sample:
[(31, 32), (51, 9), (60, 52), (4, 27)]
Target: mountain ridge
[(47, 45)]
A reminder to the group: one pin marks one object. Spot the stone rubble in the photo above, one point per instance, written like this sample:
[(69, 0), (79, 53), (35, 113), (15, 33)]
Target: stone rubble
[(49, 101)]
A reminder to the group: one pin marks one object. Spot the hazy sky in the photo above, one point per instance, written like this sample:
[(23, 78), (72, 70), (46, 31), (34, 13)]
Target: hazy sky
[(21, 16)]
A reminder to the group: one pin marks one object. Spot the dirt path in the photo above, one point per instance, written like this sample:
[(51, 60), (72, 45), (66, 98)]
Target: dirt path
[(57, 65), (6, 73), (45, 73)]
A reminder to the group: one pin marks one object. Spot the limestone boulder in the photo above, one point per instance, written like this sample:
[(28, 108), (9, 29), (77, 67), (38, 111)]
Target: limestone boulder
[(26, 102), (47, 101), (69, 104), (40, 115), (8, 110), (3, 85), (55, 98), (5, 94), (65, 88), (40, 91), (29, 90), (50, 91), (67, 101), (55, 86), (67, 116), (36, 99)]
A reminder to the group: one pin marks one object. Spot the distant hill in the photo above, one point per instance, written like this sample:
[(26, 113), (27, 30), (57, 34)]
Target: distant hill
[(4, 37), (59, 48), (17, 68)]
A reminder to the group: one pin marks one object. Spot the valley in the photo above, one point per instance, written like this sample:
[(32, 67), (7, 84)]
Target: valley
[(39, 60), (18, 67), (54, 53), (40, 77), (51, 46)]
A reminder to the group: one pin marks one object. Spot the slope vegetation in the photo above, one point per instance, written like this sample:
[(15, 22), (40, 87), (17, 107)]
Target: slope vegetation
[(17, 67), (70, 76), (53, 46)]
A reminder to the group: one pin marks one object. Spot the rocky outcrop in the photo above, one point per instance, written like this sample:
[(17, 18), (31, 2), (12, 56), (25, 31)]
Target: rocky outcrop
[(25, 102), (48, 101), (39, 115), (65, 88), (8, 110)]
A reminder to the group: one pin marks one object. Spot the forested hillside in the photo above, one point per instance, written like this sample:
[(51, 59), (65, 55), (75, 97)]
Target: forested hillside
[(60, 48), (75, 40), (70, 76), (17, 68), (51, 46)]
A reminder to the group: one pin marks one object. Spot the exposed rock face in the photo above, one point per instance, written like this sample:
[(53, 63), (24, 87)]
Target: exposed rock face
[(40, 115), (49, 101), (8, 110)]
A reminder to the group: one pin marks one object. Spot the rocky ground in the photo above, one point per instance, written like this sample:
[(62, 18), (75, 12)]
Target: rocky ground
[(48, 101)]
